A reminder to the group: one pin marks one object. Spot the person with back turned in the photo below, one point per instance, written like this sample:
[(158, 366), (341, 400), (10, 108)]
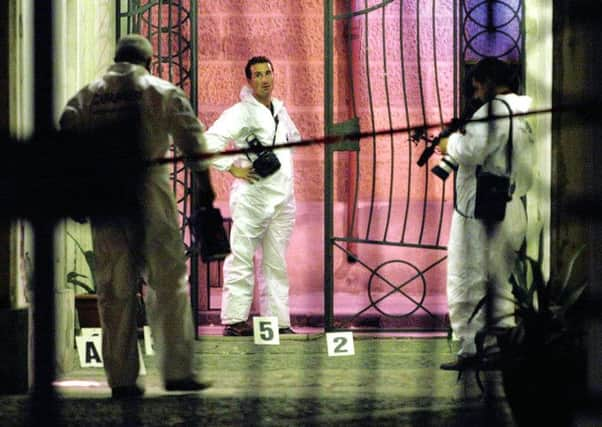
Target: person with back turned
[(148, 246), (482, 252)]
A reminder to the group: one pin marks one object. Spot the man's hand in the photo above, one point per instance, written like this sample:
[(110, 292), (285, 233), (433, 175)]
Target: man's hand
[(247, 173)]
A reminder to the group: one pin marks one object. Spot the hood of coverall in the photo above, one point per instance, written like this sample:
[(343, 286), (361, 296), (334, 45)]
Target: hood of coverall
[(246, 96)]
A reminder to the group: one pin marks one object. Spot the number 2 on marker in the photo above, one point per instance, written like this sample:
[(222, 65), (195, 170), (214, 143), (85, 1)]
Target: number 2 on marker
[(340, 344)]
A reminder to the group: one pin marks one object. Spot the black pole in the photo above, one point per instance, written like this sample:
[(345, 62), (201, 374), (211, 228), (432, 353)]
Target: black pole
[(43, 394)]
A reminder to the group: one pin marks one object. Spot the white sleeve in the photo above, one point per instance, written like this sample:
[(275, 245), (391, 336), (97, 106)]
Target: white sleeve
[(482, 137), (523, 157), (292, 133), (186, 129), (228, 127), (71, 117)]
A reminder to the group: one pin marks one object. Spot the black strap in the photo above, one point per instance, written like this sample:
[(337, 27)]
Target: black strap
[(275, 131)]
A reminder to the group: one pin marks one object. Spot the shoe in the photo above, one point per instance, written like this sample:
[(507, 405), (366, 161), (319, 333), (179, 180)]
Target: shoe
[(461, 363), (286, 331), (186, 384), (127, 392), (240, 329)]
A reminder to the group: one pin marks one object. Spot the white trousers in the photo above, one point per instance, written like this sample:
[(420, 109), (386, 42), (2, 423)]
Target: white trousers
[(265, 224), (124, 253), (474, 257)]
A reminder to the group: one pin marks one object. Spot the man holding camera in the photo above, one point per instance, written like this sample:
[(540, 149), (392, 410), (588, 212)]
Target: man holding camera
[(483, 251), (262, 202)]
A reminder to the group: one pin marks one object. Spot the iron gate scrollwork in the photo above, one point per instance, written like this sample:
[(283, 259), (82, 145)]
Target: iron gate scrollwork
[(171, 26), (396, 65)]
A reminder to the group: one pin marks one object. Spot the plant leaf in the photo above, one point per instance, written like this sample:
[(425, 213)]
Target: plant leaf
[(539, 283), (499, 318), (569, 272), (521, 295), (572, 297), (520, 271), (85, 287), (91, 260), (478, 307), (540, 247)]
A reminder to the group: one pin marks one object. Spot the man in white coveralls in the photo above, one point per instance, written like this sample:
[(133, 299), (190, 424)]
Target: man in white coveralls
[(262, 207), (122, 256), (479, 251)]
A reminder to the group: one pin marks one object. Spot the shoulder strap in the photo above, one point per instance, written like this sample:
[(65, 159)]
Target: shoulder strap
[(275, 130)]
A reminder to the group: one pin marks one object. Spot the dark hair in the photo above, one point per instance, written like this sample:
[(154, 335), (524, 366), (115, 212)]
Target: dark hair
[(257, 60), (493, 70), (133, 48)]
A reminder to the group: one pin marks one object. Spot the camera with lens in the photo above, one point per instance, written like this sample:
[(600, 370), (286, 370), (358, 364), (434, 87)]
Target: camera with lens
[(447, 164), (266, 162)]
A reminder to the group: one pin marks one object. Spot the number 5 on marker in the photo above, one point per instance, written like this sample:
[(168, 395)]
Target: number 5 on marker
[(265, 330), (340, 343)]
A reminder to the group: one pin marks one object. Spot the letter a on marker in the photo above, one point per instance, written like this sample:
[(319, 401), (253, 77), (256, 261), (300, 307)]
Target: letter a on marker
[(92, 353)]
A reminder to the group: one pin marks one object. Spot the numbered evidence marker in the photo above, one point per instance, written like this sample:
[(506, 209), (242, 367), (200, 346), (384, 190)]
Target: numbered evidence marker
[(265, 330), (89, 348), (340, 343)]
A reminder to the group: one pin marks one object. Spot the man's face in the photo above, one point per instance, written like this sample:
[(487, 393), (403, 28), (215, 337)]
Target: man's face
[(481, 90), (262, 80)]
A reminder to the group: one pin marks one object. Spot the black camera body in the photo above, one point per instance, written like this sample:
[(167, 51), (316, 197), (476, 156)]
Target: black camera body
[(447, 164), (267, 162)]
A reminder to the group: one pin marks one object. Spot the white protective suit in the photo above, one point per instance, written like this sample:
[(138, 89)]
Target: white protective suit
[(474, 254), (120, 261), (263, 213)]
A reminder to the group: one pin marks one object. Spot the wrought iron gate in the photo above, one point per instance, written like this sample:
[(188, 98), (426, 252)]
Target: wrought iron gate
[(389, 65), (394, 65)]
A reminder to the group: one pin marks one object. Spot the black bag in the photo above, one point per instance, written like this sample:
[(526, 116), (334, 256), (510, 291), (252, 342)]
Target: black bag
[(266, 163), (209, 234), (494, 191)]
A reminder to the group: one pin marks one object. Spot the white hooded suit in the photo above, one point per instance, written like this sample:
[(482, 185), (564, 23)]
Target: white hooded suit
[(263, 213), (121, 256), (475, 254)]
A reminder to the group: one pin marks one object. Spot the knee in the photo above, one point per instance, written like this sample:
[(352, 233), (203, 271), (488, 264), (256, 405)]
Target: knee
[(167, 277)]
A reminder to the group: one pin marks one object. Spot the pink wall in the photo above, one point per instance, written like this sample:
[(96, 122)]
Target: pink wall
[(291, 34)]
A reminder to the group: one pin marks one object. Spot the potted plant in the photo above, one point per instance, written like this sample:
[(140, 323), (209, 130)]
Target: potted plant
[(86, 304), (543, 357)]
